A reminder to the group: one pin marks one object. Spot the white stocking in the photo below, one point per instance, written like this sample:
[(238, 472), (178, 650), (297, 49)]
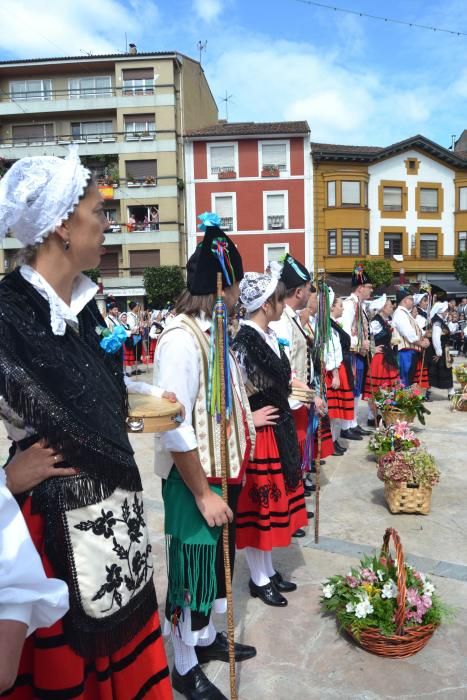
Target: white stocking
[(207, 641), (257, 565), (185, 655)]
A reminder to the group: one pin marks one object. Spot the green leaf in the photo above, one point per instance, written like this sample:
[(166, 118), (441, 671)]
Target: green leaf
[(163, 284)]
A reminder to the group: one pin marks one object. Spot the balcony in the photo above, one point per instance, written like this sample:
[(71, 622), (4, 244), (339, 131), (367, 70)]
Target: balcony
[(226, 223), (55, 101), (412, 264), (276, 222)]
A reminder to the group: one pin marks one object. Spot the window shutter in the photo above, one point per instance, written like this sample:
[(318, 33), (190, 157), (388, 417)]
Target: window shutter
[(109, 265), (274, 155), (222, 157), (429, 198), (275, 205), (138, 74), (392, 197), (463, 198), (141, 259), (224, 207), (138, 118), (141, 169), (32, 131), (275, 253), (332, 193)]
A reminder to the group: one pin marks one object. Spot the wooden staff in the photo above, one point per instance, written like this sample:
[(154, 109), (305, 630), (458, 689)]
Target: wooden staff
[(225, 530), (318, 455)]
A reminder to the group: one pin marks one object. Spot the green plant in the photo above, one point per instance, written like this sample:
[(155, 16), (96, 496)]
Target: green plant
[(163, 284), (93, 274), (394, 438), (180, 184), (378, 271), (410, 466), (407, 399), (460, 266)]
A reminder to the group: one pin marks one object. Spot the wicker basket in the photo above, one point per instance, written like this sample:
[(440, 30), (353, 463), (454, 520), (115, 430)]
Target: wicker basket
[(408, 640), (458, 403), (408, 498), (393, 414)]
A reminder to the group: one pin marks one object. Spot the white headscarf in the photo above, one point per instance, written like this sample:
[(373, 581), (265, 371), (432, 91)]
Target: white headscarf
[(418, 297), (257, 287), (439, 308), (38, 193), (332, 296), (378, 304)]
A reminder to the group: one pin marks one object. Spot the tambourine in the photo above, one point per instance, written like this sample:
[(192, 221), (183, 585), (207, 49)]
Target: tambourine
[(302, 395), (149, 414)]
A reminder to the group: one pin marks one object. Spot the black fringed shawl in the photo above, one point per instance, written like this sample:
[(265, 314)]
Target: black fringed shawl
[(345, 342), (384, 338), (270, 376)]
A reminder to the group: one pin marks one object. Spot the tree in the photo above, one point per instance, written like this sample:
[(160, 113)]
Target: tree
[(378, 271), (93, 273), (460, 266), (163, 284)]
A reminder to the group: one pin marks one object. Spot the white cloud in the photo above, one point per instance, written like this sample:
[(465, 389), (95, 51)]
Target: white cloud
[(208, 10)]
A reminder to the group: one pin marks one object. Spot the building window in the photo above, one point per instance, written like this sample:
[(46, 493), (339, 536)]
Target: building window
[(428, 199), (81, 130), (32, 134), (463, 198), (350, 193), (140, 172), (99, 86), (331, 193), (332, 242), (222, 159), (392, 198), (274, 252), (140, 125), (392, 244), (428, 245), (223, 205), (462, 241), (143, 217), (273, 156), (366, 242), (31, 90), (141, 259), (351, 242), (108, 265), (365, 194), (138, 81), (275, 212)]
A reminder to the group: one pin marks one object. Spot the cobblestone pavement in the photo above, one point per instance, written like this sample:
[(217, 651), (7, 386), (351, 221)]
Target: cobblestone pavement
[(301, 654)]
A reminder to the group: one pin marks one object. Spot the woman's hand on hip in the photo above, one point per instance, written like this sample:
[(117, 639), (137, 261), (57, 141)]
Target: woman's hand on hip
[(267, 415), (30, 467)]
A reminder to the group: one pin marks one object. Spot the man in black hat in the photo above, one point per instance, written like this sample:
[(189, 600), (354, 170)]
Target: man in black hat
[(188, 458), (411, 340), (355, 323)]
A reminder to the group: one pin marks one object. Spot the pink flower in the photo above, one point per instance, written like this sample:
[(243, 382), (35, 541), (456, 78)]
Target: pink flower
[(368, 575), (352, 581), (412, 596)]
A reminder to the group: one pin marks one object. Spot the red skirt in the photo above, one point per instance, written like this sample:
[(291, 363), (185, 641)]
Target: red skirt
[(129, 356), (49, 668), (301, 425), (380, 374), (327, 445), (152, 350), (421, 375), (340, 401), (267, 513)]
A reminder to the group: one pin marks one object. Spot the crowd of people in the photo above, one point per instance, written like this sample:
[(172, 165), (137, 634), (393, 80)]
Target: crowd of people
[(87, 605)]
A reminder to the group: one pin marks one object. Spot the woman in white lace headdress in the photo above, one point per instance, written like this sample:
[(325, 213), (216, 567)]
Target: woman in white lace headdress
[(62, 392)]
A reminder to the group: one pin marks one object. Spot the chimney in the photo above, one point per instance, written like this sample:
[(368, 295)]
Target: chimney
[(132, 49)]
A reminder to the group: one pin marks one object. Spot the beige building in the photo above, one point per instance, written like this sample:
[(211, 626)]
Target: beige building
[(127, 113)]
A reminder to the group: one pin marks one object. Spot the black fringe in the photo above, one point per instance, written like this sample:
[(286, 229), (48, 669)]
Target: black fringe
[(67, 493)]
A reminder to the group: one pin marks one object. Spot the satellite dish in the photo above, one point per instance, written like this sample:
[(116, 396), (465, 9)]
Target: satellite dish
[(398, 258)]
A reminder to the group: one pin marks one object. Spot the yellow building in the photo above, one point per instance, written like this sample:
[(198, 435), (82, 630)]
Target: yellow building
[(406, 203), (127, 113)]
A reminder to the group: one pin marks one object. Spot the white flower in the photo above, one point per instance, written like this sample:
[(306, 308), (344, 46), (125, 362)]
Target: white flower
[(428, 588), (389, 590), (328, 590), (363, 609), (350, 607), (380, 574)]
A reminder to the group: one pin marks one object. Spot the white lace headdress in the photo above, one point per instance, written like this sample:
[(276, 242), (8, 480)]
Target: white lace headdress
[(38, 193), (257, 287)]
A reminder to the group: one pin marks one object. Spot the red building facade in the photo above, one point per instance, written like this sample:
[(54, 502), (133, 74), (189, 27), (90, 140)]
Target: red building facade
[(258, 179)]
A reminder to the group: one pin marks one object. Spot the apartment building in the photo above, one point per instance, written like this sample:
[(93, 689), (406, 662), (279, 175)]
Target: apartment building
[(406, 203), (257, 177), (127, 113)]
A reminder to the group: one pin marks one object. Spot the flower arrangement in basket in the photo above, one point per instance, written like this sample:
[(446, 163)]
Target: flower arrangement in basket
[(393, 438), (408, 477), (461, 374), (400, 403), (387, 606)]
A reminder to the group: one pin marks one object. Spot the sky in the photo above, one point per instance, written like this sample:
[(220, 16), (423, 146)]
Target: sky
[(354, 79)]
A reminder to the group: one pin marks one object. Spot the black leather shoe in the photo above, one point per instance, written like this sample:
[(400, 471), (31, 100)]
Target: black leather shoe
[(195, 685), (281, 585), (361, 431), (309, 490), (268, 594), (307, 493), (337, 453), (350, 435), (219, 650), (308, 484), (371, 423), (310, 514), (338, 446), (299, 533)]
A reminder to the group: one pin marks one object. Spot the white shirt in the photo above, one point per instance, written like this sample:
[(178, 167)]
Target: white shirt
[(282, 329), (436, 339), (26, 594), (333, 352), (132, 320), (176, 368), (348, 318), (402, 324), (421, 321), (111, 322)]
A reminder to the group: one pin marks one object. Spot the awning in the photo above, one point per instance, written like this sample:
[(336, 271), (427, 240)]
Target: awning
[(449, 285)]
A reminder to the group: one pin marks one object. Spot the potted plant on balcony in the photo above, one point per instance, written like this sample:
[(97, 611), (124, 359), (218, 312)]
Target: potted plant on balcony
[(270, 171), (226, 174), (131, 181), (408, 477), (149, 181)]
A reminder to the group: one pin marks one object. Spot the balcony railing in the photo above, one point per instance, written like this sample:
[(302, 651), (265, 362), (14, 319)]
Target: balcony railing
[(227, 223), (276, 222), (76, 94), (66, 139), (130, 228)]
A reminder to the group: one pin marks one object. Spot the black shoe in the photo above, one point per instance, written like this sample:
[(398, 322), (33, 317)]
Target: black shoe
[(139, 371), (309, 490), (307, 493), (361, 431), (219, 650), (308, 482), (299, 533), (371, 423), (195, 685), (268, 594), (337, 453), (338, 446), (281, 585), (350, 435), (321, 462), (310, 514)]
